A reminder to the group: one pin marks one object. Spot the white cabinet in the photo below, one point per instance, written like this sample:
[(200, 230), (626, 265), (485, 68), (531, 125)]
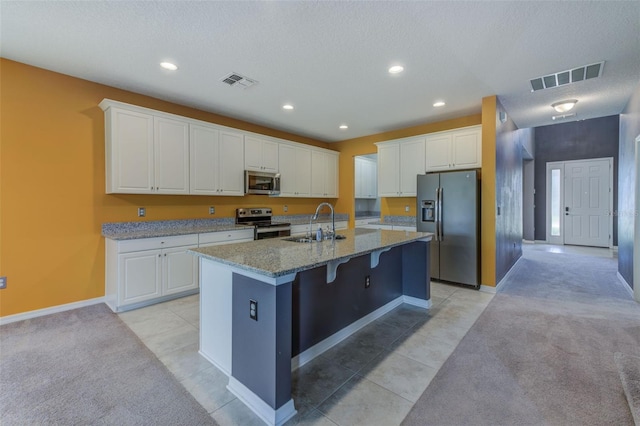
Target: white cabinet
[(260, 154), (455, 149), (217, 161), (145, 154), (142, 271), (366, 174), (399, 164), (295, 167), (324, 174)]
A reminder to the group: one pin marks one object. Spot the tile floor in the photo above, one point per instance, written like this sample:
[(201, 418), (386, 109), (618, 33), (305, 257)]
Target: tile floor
[(372, 378)]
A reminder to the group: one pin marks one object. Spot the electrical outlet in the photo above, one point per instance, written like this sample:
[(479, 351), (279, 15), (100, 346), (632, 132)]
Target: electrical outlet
[(142, 212), (367, 281), (406, 208), (212, 210), (253, 310), (3, 282), (286, 208)]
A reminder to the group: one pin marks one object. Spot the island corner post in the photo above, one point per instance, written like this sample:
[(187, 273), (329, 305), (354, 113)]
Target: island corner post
[(272, 320)]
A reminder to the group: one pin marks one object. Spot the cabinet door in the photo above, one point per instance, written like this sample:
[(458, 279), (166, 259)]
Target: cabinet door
[(270, 156), (389, 170), (438, 152), (467, 149), (371, 188), (179, 270), (411, 165), (331, 175), (252, 153), (318, 173), (231, 163), (171, 152), (129, 142), (303, 172), (139, 278), (359, 174), (295, 171), (204, 153)]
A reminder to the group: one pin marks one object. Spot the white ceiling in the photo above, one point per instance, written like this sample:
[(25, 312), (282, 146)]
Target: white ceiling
[(330, 59)]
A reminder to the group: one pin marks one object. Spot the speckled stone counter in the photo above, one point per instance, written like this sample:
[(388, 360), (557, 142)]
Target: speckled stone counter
[(396, 220), (278, 257), (166, 228)]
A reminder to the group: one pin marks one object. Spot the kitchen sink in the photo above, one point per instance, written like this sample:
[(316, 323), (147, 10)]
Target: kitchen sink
[(309, 240)]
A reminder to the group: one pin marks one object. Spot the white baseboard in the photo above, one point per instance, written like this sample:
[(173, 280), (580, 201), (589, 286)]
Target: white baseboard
[(48, 311), (263, 410), (215, 364), (490, 289), (625, 284), (420, 303), (487, 289)]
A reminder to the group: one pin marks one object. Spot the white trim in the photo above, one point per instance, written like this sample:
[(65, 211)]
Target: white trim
[(259, 407), (317, 349), (487, 289), (215, 364), (52, 310), (624, 283), (415, 301)]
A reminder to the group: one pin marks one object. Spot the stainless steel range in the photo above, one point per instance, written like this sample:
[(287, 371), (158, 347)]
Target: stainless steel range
[(260, 219)]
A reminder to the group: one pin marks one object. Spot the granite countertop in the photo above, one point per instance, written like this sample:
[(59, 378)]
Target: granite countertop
[(277, 257), (167, 228), (396, 220)]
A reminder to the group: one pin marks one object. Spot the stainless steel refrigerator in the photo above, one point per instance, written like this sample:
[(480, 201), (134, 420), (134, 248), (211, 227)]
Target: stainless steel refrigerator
[(448, 206)]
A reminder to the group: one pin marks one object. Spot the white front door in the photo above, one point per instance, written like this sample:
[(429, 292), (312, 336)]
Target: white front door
[(587, 202)]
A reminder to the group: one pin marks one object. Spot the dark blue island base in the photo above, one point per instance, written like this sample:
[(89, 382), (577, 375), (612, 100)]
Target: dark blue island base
[(303, 315)]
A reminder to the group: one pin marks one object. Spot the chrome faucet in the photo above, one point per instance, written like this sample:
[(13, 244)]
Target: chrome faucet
[(333, 219)]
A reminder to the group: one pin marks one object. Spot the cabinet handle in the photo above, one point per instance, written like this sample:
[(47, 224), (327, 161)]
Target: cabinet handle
[(165, 255)]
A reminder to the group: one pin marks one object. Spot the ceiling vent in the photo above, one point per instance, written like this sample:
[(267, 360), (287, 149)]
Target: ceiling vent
[(585, 72), (236, 80)]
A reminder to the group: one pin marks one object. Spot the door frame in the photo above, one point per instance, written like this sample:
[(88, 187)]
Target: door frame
[(636, 237), (559, 165)]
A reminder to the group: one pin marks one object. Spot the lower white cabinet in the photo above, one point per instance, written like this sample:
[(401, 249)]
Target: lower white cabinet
[(150, 269), (144, 271)]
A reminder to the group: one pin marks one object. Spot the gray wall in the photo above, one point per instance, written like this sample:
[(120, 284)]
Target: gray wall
[(629, 130), (509, 142), (578, 140), (528, 202)]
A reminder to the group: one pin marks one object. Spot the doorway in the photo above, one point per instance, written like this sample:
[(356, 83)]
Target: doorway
[(580, 202)]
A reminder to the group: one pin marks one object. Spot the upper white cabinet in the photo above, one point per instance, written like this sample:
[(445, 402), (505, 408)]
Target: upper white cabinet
[(399, 162), (454, 149), (324, 174), (260, 154), (145, 154), (217, 161), (366, 174), (295, 167)]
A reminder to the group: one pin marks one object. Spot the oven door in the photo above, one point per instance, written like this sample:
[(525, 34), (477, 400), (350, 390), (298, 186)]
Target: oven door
[(272, 232)]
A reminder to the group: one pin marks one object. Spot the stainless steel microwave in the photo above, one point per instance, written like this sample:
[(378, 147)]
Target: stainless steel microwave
[(261, 183)]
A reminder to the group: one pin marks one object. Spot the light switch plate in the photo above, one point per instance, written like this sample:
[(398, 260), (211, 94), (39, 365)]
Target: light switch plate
[(212, 210), (142, 212), (3, 282)]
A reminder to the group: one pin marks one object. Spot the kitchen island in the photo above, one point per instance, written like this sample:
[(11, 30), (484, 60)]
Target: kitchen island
[(271, 305)]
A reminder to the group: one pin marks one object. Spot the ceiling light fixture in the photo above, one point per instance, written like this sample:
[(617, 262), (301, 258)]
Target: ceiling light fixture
[(564, 106), (168, 66), (396, 69), (344, 127), (287, 106), (439, 104)]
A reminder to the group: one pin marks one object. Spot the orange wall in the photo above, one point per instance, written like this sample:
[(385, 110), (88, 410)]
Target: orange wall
[(488, 192), (52, 186), (365, 145)]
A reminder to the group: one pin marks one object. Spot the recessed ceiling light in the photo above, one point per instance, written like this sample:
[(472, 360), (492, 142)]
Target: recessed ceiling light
[(396, 69), (439, 104), (168, 66), (287, 106), (344, 127)]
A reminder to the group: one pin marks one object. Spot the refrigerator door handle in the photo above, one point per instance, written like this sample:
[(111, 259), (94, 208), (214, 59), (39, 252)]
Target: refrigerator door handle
[(440, 234)]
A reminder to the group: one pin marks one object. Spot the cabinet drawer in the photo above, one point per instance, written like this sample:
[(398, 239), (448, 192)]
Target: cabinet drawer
[(157, 243), (225, 236)]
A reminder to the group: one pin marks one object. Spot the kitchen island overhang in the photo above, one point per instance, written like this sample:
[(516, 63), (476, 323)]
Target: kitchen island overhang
[(272, 305)]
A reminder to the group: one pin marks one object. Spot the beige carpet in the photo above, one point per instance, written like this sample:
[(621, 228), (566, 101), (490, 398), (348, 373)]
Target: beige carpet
[(85, 367), (542, 353)]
